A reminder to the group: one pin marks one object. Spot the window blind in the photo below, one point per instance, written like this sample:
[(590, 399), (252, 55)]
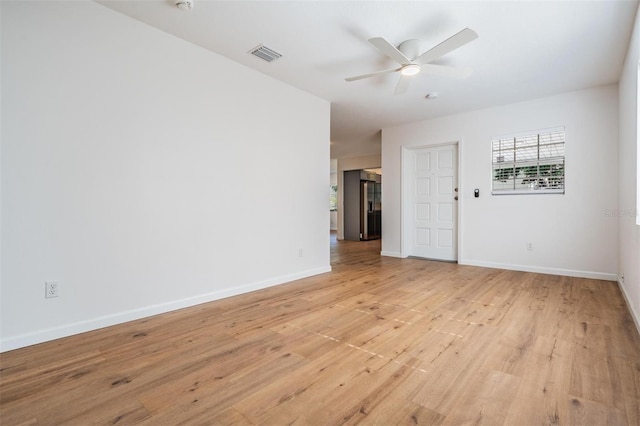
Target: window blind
[(527, 164)]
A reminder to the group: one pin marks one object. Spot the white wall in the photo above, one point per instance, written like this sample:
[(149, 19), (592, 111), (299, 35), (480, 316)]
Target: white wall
[(353, 163), (571, 233), (628, 210), (146, 174)]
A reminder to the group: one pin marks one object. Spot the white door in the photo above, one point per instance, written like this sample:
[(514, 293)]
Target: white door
[(434, 184)]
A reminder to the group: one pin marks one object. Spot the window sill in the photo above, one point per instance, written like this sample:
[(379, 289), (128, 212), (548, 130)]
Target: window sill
[(528, 192)]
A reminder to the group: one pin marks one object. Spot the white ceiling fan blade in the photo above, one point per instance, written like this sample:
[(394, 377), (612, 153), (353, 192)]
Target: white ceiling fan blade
[(403, 85), (390, 50), (446, 71), (373, 74), (449, 45)]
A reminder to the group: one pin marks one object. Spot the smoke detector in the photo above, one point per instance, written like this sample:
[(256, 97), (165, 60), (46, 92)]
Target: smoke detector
[(184, 4), (431, 96)]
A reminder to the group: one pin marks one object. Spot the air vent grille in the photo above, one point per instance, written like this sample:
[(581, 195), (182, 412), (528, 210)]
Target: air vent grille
[(263, 52)]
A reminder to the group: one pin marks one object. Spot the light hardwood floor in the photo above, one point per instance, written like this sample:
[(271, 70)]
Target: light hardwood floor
[(377, 341)]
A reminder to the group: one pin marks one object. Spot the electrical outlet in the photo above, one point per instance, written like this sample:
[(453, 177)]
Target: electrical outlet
[(51, 289), (529, 246)]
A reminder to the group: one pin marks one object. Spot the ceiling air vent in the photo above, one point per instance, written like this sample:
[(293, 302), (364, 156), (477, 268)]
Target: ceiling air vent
[(263, 52)]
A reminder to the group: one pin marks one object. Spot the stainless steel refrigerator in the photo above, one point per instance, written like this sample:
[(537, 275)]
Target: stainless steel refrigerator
[(370, 210)]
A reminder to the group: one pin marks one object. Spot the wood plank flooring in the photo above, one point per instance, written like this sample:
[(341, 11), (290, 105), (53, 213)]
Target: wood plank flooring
[(379, 341)]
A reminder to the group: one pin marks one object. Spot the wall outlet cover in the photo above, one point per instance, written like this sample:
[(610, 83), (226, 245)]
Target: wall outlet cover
[(51, 289)]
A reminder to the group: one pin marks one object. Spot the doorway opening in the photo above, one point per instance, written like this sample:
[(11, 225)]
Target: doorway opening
[(362, 205)]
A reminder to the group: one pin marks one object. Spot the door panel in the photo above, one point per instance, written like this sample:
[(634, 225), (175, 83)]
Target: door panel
[(433, 177)]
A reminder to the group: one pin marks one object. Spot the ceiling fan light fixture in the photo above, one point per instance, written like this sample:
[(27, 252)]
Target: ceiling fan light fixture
[(409, 70)]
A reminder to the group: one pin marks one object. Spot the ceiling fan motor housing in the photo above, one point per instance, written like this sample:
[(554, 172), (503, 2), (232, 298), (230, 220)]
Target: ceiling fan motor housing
[(410, 48)]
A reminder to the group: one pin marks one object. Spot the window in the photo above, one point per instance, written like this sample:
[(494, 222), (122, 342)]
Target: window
[(638, 147), (333, 197), (529, 164)]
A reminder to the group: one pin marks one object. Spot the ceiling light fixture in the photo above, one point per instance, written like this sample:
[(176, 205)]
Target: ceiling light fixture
[(411, 69), (184, 4)]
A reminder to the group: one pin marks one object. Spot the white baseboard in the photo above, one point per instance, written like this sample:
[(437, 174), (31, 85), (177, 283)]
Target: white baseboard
[(46, 335), (392, 254), (542, 270), (634, 314)]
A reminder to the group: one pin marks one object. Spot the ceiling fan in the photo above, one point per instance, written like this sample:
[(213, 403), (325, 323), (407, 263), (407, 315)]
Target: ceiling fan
[(412, 62)]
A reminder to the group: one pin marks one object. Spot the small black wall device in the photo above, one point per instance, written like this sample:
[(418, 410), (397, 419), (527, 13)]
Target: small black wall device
[(476, 193)]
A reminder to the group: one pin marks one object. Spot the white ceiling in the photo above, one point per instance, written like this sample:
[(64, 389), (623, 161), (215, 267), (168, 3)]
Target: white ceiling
[(525, 50)]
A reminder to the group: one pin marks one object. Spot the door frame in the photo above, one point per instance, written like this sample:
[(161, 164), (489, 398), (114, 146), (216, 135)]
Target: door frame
[(406, 155)]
